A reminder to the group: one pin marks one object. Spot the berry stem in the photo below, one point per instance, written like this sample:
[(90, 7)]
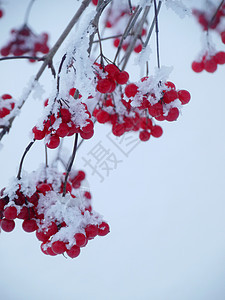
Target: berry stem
[(22, 159), (70, 164), (27, 14), (157, 32), (59, 71), (152, 26), (127, 30), (136, 35)]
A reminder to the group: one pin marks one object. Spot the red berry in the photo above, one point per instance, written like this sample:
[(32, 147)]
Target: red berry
[(170, 85), (122, 77), (29, 225), (43, 250), (112, 70), (223, 36), (104, 85), (103, 229), (91, 231), (6, 97), (53, 142), (87, 195), (43, 188), (184, 96), (89, 127), (116, 43), (80, 239), (131, 90), (58, 247), (138, 48), (50, 251), (63, 130), (170, 96), (3, 202), (118, 129), (220, 58), (24, 213), (156, 131), (73, 252), (10, 213), (210, 65), (65, 115), (144, 135), (197, 66), (38, 134), (102, 116), (87, 135), (7, 225), (173, 114)]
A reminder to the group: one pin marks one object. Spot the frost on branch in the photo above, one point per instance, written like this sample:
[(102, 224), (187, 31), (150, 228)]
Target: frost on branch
[(62, 223)]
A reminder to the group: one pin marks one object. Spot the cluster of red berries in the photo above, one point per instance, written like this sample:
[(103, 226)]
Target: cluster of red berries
[(164, 108), (66, 122), (109, 78), (24, 41), (7, 104), (125, 118), (210, 19), (209, 63), (61, 226)]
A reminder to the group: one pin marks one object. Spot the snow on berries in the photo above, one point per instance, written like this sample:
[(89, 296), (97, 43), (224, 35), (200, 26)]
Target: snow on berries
[(62, 223), (67, 117), (7, 104), (25, 41), (137, 106)]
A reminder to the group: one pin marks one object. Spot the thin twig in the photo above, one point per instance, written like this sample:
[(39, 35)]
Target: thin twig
[(22, 159), (127, 30), (46, 156), (136, 34), (157, 33), (214, 16), (23, 57), (27, 14), (152, 26), (70, 164)]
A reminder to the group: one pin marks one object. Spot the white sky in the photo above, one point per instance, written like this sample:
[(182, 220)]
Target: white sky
[(164, 202)]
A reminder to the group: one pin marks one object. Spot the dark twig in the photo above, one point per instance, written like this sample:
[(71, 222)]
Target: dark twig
[(136, 35), (22, 159), (127, 30), (28, 12), (152, 26), (214, 16), (23, 57), (70, 164), (157, 32)]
